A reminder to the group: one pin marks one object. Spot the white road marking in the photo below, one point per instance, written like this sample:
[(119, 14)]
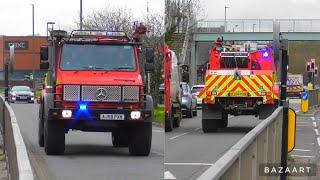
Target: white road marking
[(312, 118), (189, 164), (196, 129), (157, 131), (318, 139), (314, 124), (169, 175), (297, 111), (303, 150), (302, 156), (174, 137), (302, 122), (300, 125), (317, 132)]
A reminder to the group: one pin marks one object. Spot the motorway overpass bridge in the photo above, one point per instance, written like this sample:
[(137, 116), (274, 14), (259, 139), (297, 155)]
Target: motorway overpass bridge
[(205, 32)]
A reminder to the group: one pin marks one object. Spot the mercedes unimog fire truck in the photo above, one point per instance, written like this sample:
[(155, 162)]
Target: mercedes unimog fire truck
[(96, 82), (172, 94), (238, 83)]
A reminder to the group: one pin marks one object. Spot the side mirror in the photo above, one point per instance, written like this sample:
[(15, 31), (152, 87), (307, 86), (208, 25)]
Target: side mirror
[(148, 67), (44, 65), (44, 53), (149, 55)]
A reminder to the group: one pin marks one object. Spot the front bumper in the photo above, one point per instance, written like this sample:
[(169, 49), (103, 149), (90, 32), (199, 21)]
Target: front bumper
[(25, 98), (91, 118)]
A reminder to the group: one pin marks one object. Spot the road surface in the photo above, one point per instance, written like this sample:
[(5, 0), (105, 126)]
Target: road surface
[(189, 152), (88, 155)]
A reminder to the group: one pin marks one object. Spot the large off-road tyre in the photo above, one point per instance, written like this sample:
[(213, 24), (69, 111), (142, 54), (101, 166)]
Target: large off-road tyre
[(210, 125), (54, 137), (177, 120), (54, 132), (120, 137), (266, 110), (169, 121), (40, 127), (224, 120), (189, 113), (140, 140), (195, 112)]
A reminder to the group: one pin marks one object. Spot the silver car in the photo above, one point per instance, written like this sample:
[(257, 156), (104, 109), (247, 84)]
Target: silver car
[(195, 90), (189, 103), (21, 93)]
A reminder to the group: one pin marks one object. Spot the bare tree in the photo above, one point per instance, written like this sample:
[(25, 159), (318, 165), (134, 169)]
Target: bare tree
[(122, 19), (110, 19)]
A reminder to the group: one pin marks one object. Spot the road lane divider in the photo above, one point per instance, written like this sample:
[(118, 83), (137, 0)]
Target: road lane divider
[(15, 148)]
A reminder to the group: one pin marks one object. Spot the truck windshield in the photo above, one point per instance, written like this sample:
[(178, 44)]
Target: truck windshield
[(98, 57)]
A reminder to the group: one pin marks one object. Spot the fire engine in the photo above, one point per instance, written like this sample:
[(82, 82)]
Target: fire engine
[(172, 94), (238, 83), (96, 82)]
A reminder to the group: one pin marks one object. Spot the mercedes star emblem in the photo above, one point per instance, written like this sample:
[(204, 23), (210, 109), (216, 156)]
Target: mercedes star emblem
[(101, 94)]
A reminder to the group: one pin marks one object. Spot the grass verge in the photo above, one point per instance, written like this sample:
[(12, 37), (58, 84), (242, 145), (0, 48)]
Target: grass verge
[(159, 115)]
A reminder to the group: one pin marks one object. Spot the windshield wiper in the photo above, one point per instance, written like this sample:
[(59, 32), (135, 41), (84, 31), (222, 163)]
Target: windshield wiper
[(92, 67), (123, 68)]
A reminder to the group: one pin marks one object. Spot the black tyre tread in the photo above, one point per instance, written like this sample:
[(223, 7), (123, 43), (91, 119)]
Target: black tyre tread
[(209, 125), (140, 140), (120, 138)]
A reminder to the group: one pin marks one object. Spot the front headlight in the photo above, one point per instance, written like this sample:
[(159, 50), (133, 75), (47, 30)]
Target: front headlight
[(135, 115), (13, 94), (32, 94)]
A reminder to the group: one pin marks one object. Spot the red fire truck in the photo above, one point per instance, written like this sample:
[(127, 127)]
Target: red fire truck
[(238, 83), (96, 82)]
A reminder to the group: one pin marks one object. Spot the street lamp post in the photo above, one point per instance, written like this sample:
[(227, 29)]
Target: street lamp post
[(33, 55), (80, 14), (225, 18)]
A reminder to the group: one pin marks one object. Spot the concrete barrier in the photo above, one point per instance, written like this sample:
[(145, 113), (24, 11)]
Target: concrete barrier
[(261, 145), (15, 149)]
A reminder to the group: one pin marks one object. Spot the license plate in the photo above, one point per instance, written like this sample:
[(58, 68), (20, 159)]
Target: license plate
[(112, 117), (238, 93), (23, 97)]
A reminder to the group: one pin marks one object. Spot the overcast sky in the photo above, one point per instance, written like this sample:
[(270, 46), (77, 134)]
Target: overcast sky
[(300, 9), (16, 15)]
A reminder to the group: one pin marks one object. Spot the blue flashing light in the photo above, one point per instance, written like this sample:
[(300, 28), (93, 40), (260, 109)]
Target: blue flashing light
[(266, 54), (83, 107)]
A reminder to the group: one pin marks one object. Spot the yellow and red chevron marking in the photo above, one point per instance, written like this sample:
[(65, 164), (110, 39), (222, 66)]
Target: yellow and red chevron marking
[(223, 84)]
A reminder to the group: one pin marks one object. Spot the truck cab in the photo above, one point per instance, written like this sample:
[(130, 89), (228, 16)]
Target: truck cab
[(96, 82)]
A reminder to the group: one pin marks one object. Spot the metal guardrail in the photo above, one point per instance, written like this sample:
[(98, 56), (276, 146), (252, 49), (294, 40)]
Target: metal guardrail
[(258, 25), (15, 149), (261, 145)]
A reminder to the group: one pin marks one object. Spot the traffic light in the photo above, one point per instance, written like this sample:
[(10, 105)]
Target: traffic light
[(316, 71), (313, 62), (308, 67)]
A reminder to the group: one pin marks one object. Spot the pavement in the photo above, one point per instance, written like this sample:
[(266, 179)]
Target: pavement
[(189, 152), (88, 155), (307, 147), (4, 175)]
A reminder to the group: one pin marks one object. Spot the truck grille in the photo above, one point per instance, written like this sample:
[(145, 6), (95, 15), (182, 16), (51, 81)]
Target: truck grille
[(71, 93), (130, 93), (101, 93)]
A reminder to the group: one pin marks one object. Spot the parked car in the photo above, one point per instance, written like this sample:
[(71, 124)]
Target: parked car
[(161, 88), (189, 103), (21, 93), (195, 90)]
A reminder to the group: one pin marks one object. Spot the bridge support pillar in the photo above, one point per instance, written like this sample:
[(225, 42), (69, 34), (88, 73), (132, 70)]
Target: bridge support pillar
[(193, 65)]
